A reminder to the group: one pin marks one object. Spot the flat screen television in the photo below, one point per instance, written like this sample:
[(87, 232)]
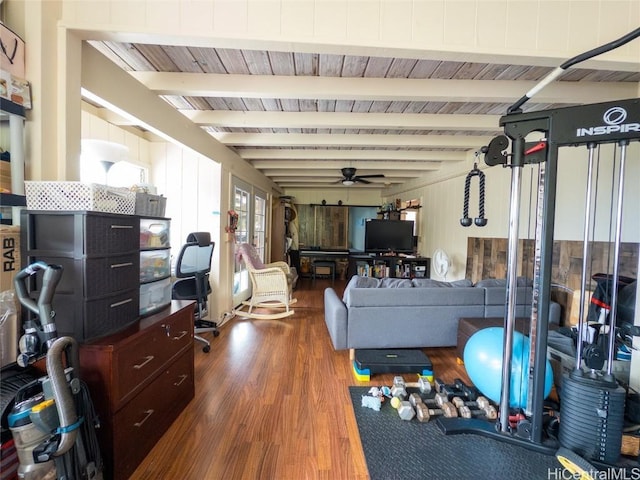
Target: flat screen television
[(384, 236)]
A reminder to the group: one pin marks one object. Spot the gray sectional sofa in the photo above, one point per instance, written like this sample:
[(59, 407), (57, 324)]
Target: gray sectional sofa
[(415, 313)]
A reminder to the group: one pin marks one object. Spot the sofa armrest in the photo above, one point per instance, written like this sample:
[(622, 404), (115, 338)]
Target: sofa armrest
[(335, 316)]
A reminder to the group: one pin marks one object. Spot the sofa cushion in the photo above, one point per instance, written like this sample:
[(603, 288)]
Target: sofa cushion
[(387, 297), (498, 295), (431, 283), (359, 282), (395, 283), (502, 282), (362, 282)]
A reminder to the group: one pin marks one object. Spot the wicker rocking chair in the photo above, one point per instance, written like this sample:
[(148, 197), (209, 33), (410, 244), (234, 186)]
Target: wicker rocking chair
[(272, 285)]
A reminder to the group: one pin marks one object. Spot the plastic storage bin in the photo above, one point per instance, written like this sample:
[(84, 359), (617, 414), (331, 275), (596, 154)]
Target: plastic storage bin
[(150, 205), (154, 233), (155, 296), (78, 196), (154, 265)]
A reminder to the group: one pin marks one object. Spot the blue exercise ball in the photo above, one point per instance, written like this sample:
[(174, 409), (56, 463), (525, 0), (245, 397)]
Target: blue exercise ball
[(483, 362)]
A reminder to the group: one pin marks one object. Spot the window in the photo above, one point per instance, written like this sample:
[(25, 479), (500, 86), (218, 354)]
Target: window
[(251, 207)]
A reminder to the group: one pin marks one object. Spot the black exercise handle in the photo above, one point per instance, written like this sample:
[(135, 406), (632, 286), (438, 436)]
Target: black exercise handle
[(480, 221)]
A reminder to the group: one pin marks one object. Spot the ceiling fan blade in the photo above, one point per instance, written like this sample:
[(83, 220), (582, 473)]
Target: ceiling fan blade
[(377, 175), (361, 180)]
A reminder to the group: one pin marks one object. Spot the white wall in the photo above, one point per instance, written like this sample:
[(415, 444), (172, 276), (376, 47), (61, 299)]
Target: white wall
[(192, 185), (96, 128), (442, 202)]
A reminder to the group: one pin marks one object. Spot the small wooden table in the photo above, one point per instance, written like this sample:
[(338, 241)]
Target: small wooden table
[(469, 326)]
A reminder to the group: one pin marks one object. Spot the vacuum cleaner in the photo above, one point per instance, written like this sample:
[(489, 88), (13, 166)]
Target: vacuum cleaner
[(52, 420)]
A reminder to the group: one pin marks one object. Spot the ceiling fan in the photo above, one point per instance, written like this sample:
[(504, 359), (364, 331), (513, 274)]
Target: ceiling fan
[(350, 177)]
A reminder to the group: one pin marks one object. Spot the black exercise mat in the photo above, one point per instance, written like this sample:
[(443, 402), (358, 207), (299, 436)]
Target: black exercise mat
[(399, 449)]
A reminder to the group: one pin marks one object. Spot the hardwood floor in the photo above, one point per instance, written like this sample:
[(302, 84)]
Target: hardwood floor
[(272, 403)]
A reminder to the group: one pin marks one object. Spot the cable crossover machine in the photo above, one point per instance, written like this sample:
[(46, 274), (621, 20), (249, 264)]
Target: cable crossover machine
[(593, 434)]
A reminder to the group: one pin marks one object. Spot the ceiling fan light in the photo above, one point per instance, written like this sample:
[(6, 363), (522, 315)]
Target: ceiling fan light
[(348, 182)]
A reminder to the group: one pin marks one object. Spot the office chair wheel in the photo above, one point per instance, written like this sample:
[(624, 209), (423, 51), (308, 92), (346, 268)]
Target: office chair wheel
[(206, 348)]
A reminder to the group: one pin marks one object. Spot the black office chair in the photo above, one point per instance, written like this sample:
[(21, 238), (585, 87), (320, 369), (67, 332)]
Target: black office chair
[(192, 270)]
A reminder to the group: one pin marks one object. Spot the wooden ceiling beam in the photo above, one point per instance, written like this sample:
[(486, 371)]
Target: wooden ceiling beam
[(334, 172), (299, 154), (349, 88), (337, 154), (276, 166), (346, 140), (405, 121)]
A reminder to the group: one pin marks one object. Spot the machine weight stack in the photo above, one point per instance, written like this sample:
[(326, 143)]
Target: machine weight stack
[(592, 416)]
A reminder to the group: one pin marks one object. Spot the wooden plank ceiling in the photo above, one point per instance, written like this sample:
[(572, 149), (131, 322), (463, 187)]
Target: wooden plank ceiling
[(300, 118)]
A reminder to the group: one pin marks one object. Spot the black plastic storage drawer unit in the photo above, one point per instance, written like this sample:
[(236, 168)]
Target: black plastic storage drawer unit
[(99, 290)]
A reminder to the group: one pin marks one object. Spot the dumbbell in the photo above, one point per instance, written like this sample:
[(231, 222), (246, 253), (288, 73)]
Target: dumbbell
[(404, 408), (424, 413), (422, 384), (481, 402), (399, 388), (470, 393), (484, 408), (435, 402), (489, 413), (449, 390)]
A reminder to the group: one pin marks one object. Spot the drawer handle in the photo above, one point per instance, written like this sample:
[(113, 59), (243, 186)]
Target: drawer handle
[(146, 360), (120, 265), (146, 417), (128, 227), (181, 381), (123, 302), (182, 334)]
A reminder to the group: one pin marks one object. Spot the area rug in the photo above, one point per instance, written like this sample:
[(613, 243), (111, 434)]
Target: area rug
[(398, 449)]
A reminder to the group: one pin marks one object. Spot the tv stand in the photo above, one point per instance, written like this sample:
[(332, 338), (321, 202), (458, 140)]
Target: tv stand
[(394, 266)]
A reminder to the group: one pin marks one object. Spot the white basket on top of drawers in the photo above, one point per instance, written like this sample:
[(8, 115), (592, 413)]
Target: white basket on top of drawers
[(79, 196)]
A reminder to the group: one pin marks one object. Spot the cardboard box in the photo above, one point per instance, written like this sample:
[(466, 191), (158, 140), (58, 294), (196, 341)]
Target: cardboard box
[(574, 313), (5, 176), (9, 255)]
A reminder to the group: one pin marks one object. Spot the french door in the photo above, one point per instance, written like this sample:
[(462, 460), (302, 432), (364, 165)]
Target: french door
[(251, 206)]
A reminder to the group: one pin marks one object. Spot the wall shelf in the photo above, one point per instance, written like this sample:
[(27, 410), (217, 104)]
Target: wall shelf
[(14, 115), (9, 107), (12, 200)]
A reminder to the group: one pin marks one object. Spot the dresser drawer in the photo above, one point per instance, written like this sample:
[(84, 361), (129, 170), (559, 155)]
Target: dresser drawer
[(79, 234), (90, 277), (141, 423), (154, 233), (111, 274), (146, 355), (178, 331), (88, 320), (154, 265), (107, 235), (155, 296)]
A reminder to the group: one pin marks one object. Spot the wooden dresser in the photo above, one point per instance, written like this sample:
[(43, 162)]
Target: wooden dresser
[(140, 379)]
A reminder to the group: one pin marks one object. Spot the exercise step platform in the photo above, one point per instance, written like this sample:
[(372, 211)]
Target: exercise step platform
[(371, 361)]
